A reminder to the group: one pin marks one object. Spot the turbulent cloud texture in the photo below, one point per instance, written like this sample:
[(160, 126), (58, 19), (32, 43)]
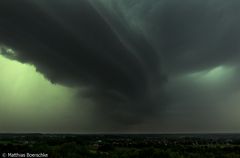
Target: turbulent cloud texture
[(135, 58), (72, 43)]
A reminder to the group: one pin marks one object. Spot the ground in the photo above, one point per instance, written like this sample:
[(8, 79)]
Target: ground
[(121, 146)]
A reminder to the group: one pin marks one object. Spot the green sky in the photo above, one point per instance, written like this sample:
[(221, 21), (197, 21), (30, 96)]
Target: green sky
[(29, 102)]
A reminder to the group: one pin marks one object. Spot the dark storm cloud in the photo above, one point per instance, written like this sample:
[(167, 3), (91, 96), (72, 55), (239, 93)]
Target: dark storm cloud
[(195, 35), (189, 35), (71, 43), (114, 47)]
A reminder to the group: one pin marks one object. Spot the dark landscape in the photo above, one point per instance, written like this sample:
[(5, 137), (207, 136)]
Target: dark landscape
[(122, 145)]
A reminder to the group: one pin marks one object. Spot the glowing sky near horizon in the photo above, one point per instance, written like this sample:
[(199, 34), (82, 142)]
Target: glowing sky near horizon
[(29, 102)]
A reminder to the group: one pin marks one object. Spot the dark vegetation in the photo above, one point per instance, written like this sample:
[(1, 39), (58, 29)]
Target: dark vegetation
[(123, 146)]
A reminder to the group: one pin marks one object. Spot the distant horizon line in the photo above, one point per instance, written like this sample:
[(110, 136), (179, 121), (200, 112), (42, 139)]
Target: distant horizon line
[(118, 133)]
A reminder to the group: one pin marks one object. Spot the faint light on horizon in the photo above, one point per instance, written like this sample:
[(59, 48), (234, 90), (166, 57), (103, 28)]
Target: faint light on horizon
[(215, 75), (23, 82), (30, 102)]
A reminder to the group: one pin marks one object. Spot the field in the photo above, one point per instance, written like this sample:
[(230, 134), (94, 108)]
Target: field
[(121, 146)]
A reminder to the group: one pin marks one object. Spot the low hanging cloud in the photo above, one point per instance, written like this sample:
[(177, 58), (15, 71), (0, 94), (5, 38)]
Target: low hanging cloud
[(75, 44), (127, 53)]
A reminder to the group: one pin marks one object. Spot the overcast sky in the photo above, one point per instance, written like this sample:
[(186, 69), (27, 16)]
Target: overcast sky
[(119, 66)]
